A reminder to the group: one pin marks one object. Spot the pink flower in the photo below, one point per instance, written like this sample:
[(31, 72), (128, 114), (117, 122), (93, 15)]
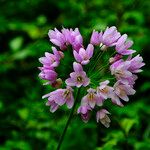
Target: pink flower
[(123, 70), (136, 63), (84, 56), (73, 37), (92, 98), (48, 74), (120, 69), (103, 117), (122, 90), (57, 38), (96, 38), (51, 60), (84, 111), (59, 97), (129, 80), (78, 78), (122, 45), (110, 36), (104, 90)]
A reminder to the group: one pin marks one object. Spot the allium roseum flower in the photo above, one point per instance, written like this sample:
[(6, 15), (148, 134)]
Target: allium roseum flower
[(96, 38), (110, 36), (104, 90), (89, 69), (122, 45), (103, 117), (73, 37), (47, 74), (84, 56), (51, 60), (59, 97), (122, 90), (57, 38), (84, 111), (78, 77), (136, 63), (92, 98), (120, 69), (66, 37)]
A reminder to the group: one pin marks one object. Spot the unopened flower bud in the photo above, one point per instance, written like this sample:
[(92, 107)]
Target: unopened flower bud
[(57, 83)]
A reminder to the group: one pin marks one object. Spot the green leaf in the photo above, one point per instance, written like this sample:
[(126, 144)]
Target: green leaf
[(143, 145), (16, 43), (127, 124), (109, 145), (23, 113)]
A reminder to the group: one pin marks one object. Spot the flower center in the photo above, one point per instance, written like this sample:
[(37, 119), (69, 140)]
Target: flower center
[(122, 91), (85, 57), (67, 94), (119, 72), (91, 96), (79, 79), (52, 60), (104, 90)]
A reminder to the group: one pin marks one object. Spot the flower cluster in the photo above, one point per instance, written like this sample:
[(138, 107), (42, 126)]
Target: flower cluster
[(123, 66)]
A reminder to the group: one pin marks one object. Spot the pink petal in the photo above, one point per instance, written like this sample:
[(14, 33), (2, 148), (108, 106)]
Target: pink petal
[(116, 100), (79, 39), (56, 42), (90, 50), (92, 103), (77, 56), (77, 67), (99, 101), (84, 62), (84, 101), (128, 52), (43, 60), (121, 40), (70, 82), (53, 108), (82, 53), (105, 111), (78, 84), (70, 102), (86, 82)]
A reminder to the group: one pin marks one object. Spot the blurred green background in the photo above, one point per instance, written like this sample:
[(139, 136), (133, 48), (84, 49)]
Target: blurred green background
[(25, 121)]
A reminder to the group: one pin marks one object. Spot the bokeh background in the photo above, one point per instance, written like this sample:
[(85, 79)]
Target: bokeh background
[(25, 121)]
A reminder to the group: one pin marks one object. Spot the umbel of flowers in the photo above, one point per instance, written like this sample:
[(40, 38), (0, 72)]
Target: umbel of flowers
[(123, 66)]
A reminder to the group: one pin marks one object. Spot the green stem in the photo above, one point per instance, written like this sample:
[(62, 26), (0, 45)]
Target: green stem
[(68, 122)]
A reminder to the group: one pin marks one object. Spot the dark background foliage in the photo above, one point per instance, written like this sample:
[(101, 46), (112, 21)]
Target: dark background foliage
[(25, 121)]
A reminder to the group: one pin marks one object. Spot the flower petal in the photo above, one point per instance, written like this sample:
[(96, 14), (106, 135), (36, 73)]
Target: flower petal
[(77, 56), (70, 102), (70, 82), (90, 50), (77, 67)]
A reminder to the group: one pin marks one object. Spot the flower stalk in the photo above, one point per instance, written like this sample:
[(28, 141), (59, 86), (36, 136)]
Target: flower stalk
[(68, 121)]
